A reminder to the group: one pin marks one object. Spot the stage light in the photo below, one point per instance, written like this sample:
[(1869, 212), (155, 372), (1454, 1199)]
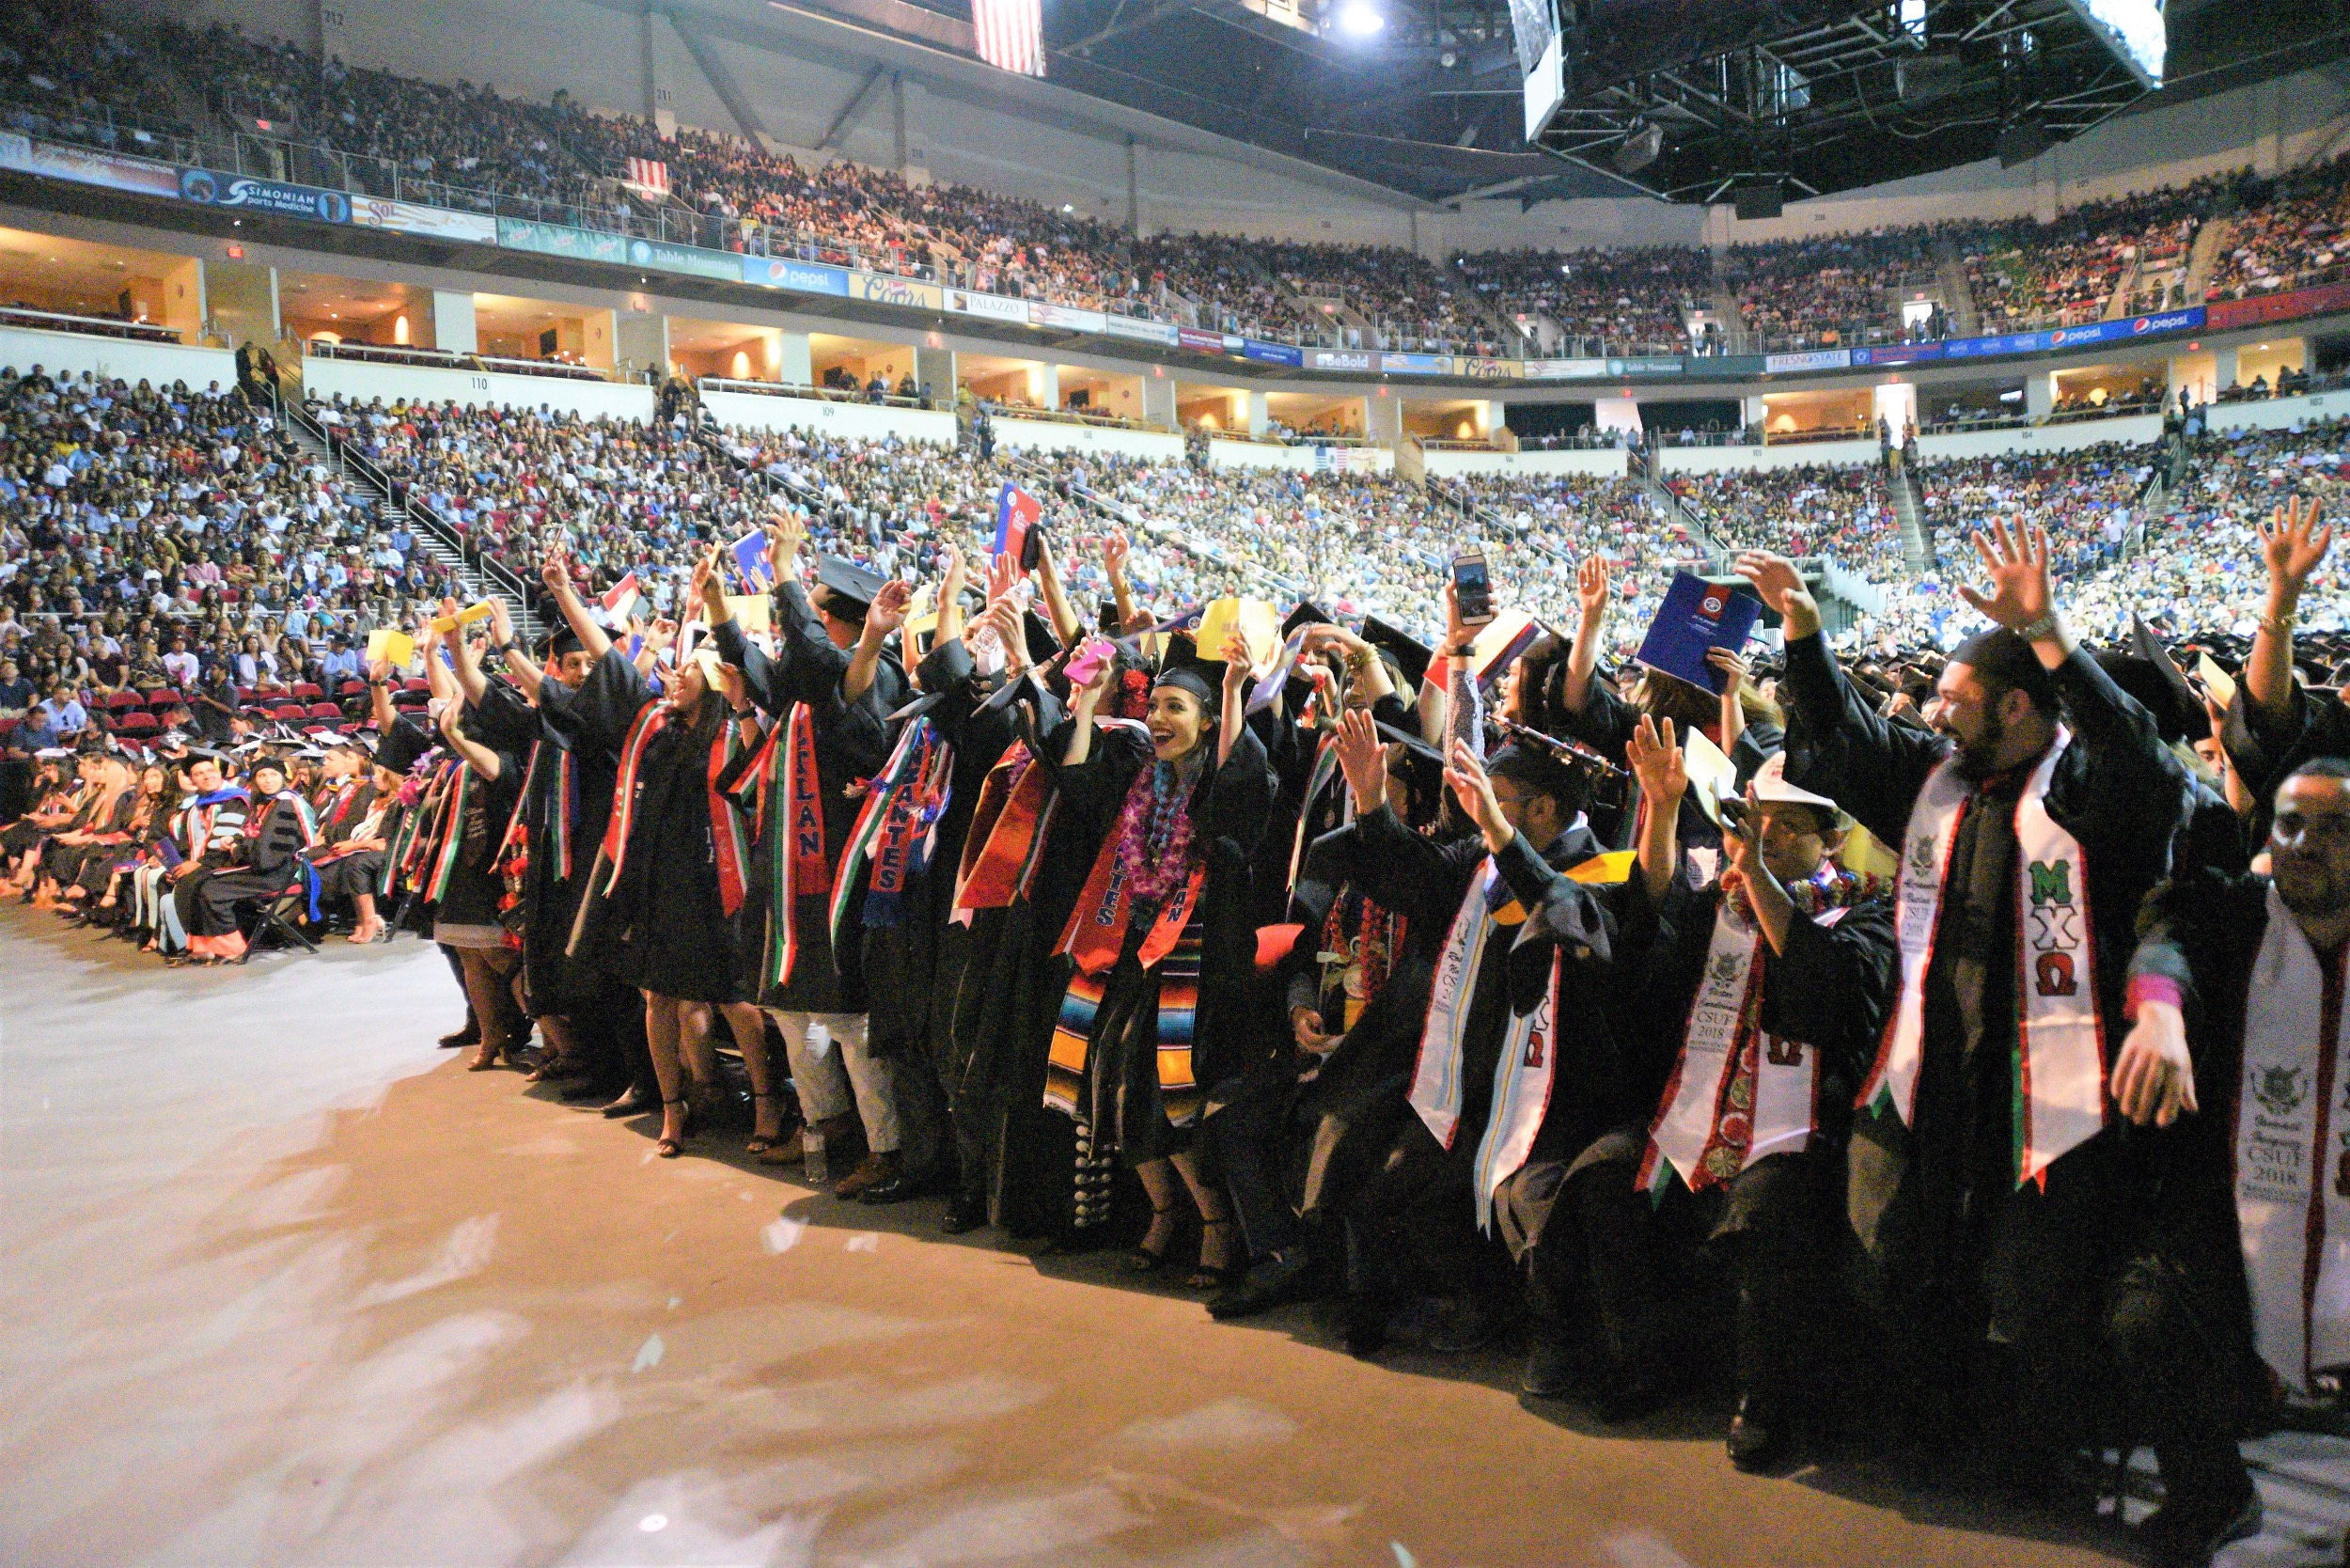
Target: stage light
[(1361, 19)]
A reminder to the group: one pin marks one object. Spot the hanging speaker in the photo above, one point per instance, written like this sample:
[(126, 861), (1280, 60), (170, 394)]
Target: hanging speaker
[(1756, 201), (1639, 150)]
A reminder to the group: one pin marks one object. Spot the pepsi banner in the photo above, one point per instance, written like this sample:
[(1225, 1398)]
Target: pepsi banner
[(805, 277)]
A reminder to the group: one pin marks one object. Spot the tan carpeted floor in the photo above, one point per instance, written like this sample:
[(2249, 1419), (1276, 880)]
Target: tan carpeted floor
[(285, 1285)]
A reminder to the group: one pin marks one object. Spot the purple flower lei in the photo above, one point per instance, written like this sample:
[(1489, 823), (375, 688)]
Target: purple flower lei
[(1154, 833)]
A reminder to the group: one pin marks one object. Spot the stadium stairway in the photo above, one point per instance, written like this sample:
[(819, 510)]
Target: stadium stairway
[(1917, 533), (441, 540), (1949, 271), (1724, 299), (2211, 241)]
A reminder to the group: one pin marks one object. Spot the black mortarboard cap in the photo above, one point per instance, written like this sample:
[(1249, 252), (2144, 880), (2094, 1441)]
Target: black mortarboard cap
[(1307, 613), (849, 583), (560, 641), (1038, 633), (1411, 655)]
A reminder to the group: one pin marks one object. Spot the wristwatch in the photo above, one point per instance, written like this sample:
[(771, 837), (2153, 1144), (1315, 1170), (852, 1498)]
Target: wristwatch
[(2032, 630)]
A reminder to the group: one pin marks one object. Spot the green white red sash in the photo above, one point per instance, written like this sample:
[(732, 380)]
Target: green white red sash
[(2059, 1069)]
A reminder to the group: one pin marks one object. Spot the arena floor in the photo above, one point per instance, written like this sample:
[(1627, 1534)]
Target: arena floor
[(286, 1285)]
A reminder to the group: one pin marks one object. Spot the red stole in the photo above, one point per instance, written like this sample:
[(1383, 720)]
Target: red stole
[(725, 827), (1006, 827), (1096, 931)]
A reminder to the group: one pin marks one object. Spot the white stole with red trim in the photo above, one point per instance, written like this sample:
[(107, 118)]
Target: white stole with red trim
[(2059, 1053), (2292, 1171)]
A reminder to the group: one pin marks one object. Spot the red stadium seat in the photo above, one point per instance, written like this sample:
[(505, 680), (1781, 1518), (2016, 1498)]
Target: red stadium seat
[(325, 711), (164, 697), (289, 711), (138, 724), (124, 699), (307, 692), (417, 684), (352, 688), (246, 695)]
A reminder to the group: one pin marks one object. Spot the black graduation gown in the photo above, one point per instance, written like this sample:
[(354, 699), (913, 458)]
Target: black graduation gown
[(555, 982), (1230, 804), (661, 925), (267, 865), (1936, 1204), (67, 862), (1007, 998), (1421, 1200), (851, 744)]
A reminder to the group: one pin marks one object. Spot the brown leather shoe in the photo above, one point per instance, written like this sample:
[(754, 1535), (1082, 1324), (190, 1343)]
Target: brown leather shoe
[(872, 1169)]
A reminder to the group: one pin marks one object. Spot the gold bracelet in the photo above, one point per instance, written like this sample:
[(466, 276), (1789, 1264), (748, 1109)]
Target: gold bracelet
[(2277, 625)]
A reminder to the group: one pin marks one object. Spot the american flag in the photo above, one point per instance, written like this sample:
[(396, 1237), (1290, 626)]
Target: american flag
[(1011, 34), (648, 178)]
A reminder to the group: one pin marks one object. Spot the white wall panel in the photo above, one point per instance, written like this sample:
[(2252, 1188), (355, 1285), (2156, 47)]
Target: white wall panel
[(70, 353), (1046, 435), (1608, 463), (592, 400), (846, 421)]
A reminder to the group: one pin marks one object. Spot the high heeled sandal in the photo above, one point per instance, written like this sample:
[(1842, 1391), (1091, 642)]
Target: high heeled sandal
[(1214, 1277), (1140, 1259), (484, 1058), (670, 1148), (760, 1142)]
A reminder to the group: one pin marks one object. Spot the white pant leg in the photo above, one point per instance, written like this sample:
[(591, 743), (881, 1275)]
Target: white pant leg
[(817, 1070), (876, 1088)]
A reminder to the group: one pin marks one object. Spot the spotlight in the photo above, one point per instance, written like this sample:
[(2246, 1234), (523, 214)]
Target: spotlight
[(1360, 18)]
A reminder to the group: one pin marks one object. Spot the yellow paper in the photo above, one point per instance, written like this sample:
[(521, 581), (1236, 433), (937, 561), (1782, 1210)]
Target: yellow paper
[(1712, 775), (394, 646), (752, 612), (1253, 618), (921, 617), (466, 616), (1605, 870), (2216, 680)]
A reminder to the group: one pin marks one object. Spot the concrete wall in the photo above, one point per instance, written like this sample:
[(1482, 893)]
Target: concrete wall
[(2280, 414), (1256, 454), (1045, 435), (324, 377), (844, 421), (1611, 462), (70, 353)]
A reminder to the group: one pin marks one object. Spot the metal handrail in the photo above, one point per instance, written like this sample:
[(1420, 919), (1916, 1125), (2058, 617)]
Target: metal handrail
[(88, 327)]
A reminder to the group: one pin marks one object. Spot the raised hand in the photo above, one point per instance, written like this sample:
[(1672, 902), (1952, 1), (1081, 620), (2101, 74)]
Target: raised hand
[(1363, 758), (1657, 762), (1735, 670), (1003, 574), (890, 606), (661, 635), (2017, 560), (731, 686), (1592, 580), (501, 622), (1774, 577), (1466, 774), (1115, 547), (2293, 544), (555, 570), (1238, 664), (785, 536)]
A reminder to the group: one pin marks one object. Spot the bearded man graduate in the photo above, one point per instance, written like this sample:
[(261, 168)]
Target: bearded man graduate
[(2240, 1310), (2030, 822)]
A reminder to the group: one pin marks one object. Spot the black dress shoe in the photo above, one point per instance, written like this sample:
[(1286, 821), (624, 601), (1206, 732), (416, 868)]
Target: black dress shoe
[(1268, 1283), (580, 1090), (1552, 1370), (631, 1104), (2189, 1530), (898, 1186), (1760, 1439), (1627, 1396), (469, 1035), (965, 1211)]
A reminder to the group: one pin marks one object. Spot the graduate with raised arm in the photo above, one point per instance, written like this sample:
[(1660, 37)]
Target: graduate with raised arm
[(2029, 823), (1521, 949), (669, 878), (1760, 998), (826, 692)]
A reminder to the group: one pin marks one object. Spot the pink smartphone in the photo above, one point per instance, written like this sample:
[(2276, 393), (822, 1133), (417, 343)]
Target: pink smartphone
[(1088, 661)]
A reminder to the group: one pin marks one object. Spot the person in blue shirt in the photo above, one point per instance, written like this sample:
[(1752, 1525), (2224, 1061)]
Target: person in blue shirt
[(65, 714)]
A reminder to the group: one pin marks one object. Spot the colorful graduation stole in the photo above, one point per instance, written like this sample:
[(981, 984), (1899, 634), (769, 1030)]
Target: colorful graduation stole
[(726, 824), (2059, 1069), (798, 866), (2291, 1175), (1528, 1065), (1068, 1061), (1736, 1095), (1008, 829), (1096, 931), (452, 832), (896, 830)]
